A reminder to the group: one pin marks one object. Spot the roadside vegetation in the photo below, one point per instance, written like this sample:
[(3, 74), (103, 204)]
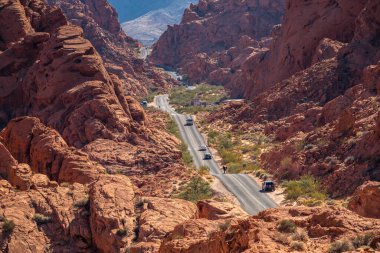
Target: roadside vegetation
[(203, 98), (240, 152), (197, 189), (172, 128), (306, 191)]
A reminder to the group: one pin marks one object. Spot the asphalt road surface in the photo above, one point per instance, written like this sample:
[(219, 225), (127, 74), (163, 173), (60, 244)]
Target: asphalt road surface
[(245, 189)]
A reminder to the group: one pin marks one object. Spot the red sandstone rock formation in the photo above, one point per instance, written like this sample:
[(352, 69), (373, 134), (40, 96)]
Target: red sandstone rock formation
[(366, 200), (100, 24), (322, 111), (215, 38), (52, 73), (260, 233)]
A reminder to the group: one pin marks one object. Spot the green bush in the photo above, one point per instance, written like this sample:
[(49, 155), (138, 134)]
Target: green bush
[(306, 187), (204, 170), (186, 156), (340, 246), (287, 226), (41, 219), (171, 127), (83, 203), (122, 232), (299, 246), (8, 227), (197, 189), (300, 236), (362, 240)]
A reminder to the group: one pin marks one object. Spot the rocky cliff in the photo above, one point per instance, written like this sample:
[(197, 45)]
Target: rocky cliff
[(215, 38), (100, 24), (320, 101)]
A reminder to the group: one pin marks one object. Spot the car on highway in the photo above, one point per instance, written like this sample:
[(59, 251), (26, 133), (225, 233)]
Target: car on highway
[(268, 186), (144, 103), (202, 148), (207, 156), (189, 122)]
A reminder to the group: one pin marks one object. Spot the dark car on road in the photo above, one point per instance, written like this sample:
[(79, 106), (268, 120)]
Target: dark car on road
[(189, 122), (268, 186), (207, 156), (202, 148)]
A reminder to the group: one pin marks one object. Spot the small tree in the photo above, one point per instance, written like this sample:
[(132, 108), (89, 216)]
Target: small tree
[(196, 190)]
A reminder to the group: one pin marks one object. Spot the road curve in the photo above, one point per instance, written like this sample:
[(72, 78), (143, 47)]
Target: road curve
[(245, 189)]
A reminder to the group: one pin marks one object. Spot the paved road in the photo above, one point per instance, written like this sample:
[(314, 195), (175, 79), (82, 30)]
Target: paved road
[(246, 190), (144, 52)]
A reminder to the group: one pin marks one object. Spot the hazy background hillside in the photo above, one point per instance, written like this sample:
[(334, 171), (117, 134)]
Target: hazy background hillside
[(131, 9), (146, 20)]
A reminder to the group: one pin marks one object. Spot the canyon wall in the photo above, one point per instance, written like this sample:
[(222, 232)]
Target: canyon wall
[(100, 24), (319, 101), (215, 38)]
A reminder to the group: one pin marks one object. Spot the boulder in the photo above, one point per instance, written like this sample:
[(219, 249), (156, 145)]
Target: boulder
[(366, 200), (214, 210)]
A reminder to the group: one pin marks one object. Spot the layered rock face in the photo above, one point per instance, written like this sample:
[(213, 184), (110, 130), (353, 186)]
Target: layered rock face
[(49, 71), (215, 38), (261, 233), (320, 100), (100, 24)]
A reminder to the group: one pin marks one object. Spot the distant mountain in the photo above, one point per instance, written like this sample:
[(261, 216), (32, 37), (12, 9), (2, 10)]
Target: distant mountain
[(132, 9), (149, 27)]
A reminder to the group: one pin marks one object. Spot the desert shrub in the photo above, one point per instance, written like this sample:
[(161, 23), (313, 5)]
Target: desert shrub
[(287, 226), (349, 160), (225, 143), (204, 170), (213, 134), (8, 227), (171, 127), (300, 145), (229, 156), (282, 238), (299, 246), (197, 189), (306, 187), (286, 163), (65, 184), (224, 226), (140, 202), (41, 219), (331, 160), (300, 236), (83, 203), (186, 156), (362, 240), (122, 232), (340, 246)]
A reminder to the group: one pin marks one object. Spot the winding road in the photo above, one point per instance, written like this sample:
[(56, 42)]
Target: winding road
[(245, 189)]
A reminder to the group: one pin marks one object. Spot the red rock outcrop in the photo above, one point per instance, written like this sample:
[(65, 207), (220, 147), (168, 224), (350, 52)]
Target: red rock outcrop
[(100, 24), (57, 76), (214, 210), (324, 116), (366, 199), (30, 142), (260, 233), (215, 38), (158, 217), (112, 208)]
